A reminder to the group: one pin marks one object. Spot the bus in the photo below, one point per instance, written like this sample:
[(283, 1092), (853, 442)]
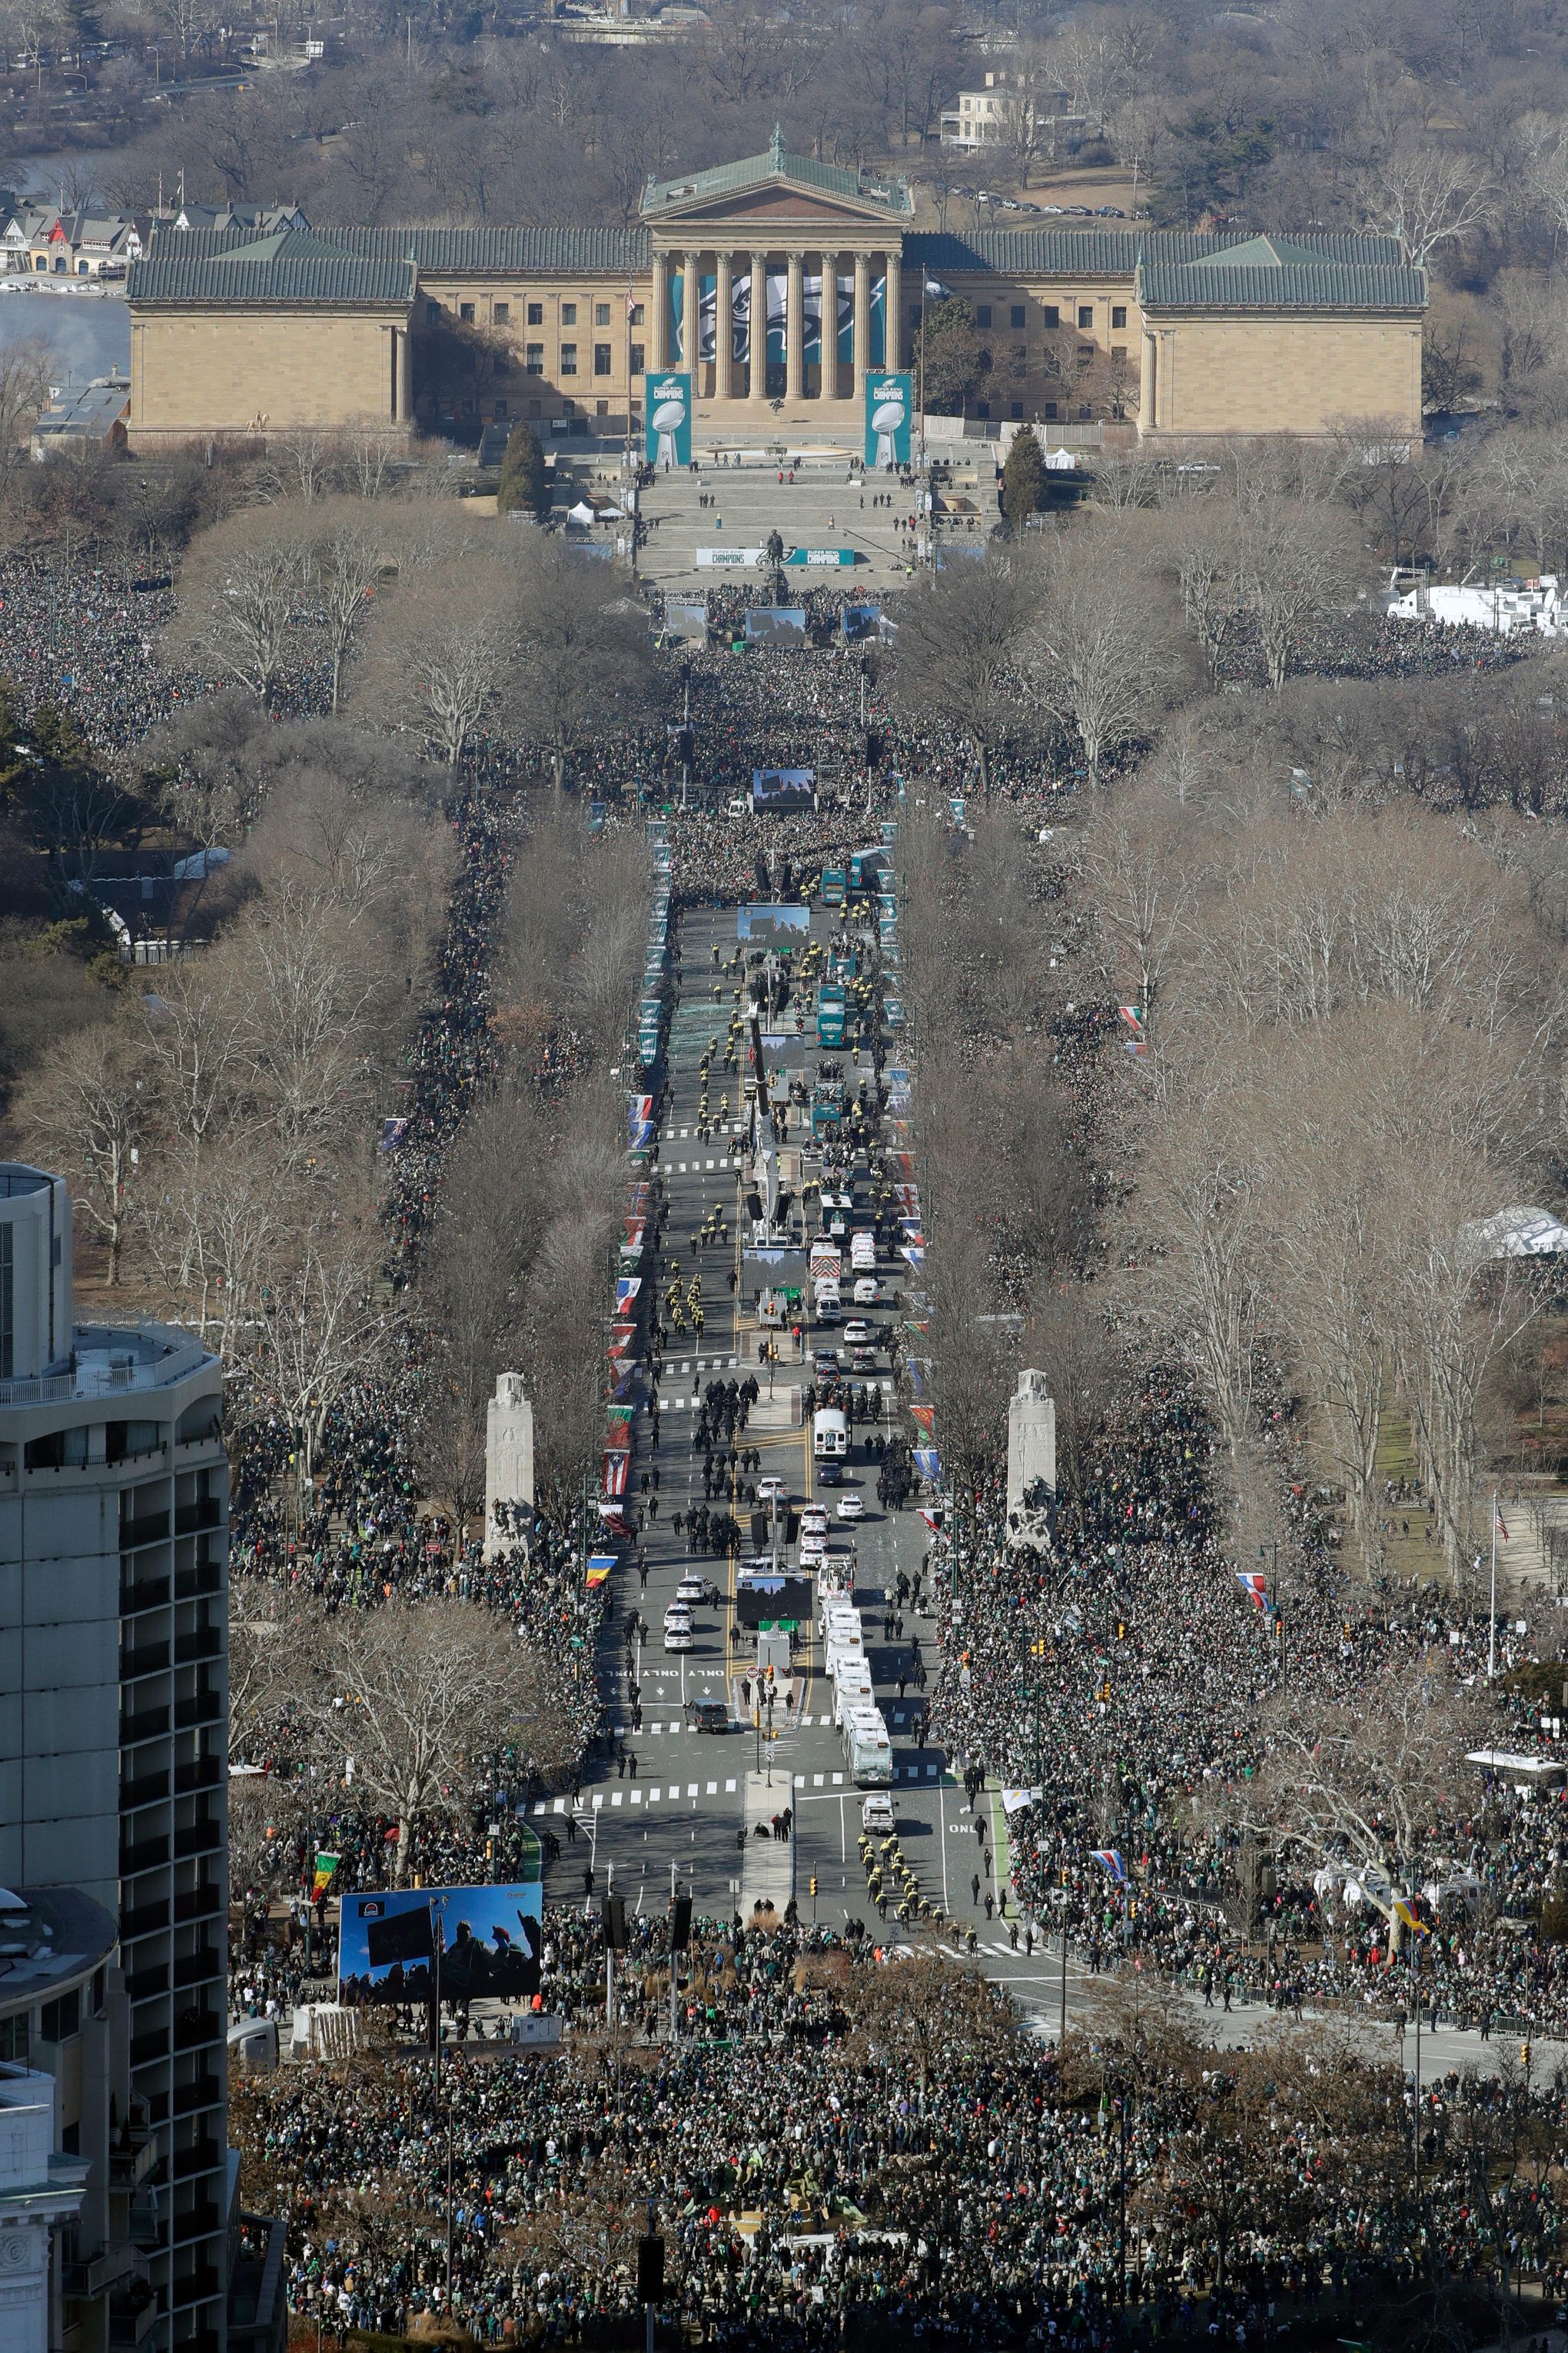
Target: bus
[(831, 1006), (829, 1434), (834, 881), (868, 1751)]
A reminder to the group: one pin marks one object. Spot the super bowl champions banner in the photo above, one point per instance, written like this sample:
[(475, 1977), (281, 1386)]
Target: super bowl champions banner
[(667, 405), (890, 406)]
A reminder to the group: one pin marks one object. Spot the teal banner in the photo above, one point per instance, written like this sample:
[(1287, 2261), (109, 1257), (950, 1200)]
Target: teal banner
[(890, 405), (666, 405)]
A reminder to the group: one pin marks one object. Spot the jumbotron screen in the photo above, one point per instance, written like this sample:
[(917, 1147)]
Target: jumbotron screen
[(762, 1599)]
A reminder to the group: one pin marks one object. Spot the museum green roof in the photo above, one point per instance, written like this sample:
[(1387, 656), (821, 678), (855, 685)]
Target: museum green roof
[(889, 196), (1181, 270)]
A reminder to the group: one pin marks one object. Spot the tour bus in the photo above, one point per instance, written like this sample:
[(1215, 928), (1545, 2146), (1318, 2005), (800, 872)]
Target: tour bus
[(868, 1752), (829, 1434), (851, 1690)]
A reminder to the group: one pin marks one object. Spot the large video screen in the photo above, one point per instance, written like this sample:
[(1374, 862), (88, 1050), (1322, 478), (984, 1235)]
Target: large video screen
[(782, 789), (760, 1599), (860, 622), (767, 920), (776, 625), (490, 1940)]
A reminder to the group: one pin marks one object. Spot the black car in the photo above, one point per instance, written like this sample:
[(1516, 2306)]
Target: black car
[(708, 1715)]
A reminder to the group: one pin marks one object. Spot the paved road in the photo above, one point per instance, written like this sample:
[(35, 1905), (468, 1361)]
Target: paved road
[(683, 1803)]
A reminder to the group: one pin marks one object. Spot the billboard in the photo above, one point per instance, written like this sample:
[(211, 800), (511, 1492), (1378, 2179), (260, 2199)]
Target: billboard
[(765, 920), (490, 1940), (776, 625), (860, 622), (890, 405), (686, 618), (763, 1599), (667, 405), (782, 789)]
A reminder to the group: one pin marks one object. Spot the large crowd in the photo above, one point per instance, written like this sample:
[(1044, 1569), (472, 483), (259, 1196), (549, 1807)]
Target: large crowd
[(1114, 1685)]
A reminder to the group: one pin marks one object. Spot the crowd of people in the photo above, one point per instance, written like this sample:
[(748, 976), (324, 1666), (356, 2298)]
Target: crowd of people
[(809, 2173), (827, 2148)]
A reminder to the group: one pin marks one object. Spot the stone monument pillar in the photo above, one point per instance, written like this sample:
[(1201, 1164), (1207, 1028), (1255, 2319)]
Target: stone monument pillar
[(1031, 1439), (509, 1455)]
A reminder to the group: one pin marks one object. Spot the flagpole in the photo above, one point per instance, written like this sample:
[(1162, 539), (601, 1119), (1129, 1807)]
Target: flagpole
[(1491, 1631), (1416, 1975)]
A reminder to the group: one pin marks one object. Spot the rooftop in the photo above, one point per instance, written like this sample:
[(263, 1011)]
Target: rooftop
[(49, 1938), (889, 196), (112, 1360)]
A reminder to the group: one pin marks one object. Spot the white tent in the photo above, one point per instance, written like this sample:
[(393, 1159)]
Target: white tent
[(1523, 1233), (582, 515)]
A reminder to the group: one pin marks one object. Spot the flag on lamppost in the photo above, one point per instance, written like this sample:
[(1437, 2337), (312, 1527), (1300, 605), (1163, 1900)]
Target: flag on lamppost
[(1253, 1583), (1109, 1860)]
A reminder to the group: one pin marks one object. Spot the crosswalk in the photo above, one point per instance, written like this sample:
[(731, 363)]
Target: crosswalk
[(684, 1134), (800, 1724), (601, 1798), (701, 1168)]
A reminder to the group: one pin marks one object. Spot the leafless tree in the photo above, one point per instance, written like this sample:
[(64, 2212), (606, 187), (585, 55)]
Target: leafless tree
[(961, 648), (85, 1109), (322, 1325), (1426, 195), (1207, 1215), (1105, 657), (584, 661), (443, 643), (348, 556), (239, 596), (415, 1693), (1365, 1788)]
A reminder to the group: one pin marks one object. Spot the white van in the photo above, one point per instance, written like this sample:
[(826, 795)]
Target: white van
[(829, 1434), (863, 1252)]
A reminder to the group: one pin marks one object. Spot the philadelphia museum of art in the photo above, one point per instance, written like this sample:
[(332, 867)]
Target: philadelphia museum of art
[(780, 285)]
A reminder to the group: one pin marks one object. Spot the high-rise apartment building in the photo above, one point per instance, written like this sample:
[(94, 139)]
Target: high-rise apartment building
[(113, 1704)]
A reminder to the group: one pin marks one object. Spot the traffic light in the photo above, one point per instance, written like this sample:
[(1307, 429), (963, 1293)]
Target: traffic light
[(1524, 2054), (680, 1924), (812, 1888), (650, 2269), (613, 1919)]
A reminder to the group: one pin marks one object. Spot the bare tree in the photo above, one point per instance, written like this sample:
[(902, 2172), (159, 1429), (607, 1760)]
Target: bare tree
[(1365, 1788), (1206, 1212), (1106, 658), (443, 642), (962, 645), (347, 557), (87, 1110), (324, 1326), (1426, 195), (415, 1693), (584, 665), (239, 596), (1293, 565)]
